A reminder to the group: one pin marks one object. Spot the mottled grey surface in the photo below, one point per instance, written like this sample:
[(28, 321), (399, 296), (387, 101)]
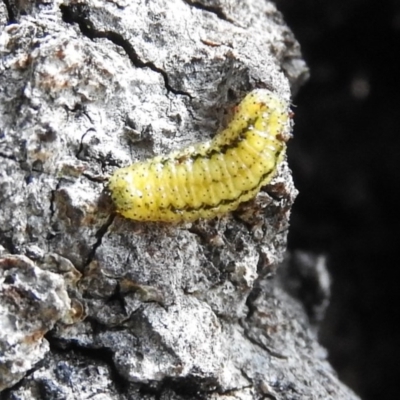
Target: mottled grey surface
[(31, 302), (3, 15), (172, 311)]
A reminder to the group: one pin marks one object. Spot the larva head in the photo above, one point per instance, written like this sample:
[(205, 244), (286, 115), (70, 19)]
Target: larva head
[(269, 110)]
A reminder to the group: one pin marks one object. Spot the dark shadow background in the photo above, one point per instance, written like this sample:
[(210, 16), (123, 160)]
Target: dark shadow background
[(345, 159)]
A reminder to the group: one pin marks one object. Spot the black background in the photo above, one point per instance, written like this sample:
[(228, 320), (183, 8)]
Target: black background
[(345, 159)]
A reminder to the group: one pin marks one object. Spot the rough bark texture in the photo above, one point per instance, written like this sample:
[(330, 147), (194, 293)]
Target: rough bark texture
[(143, 310)]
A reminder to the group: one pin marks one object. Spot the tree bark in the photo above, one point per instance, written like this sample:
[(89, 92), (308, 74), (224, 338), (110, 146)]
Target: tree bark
[(97, 306)]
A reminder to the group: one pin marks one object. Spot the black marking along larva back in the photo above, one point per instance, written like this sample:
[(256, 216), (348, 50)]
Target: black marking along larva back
[(213, 177)]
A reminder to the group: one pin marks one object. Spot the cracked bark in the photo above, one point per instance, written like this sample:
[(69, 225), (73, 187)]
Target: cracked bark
[(142, 311)]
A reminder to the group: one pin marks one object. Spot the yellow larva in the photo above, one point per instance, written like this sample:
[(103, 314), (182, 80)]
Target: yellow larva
[(212, 177)]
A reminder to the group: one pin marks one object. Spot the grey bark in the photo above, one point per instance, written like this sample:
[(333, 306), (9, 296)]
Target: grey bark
[(96, 306)]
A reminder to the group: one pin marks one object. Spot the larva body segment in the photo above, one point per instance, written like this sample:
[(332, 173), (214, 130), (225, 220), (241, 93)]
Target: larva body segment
[(213, 177)]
